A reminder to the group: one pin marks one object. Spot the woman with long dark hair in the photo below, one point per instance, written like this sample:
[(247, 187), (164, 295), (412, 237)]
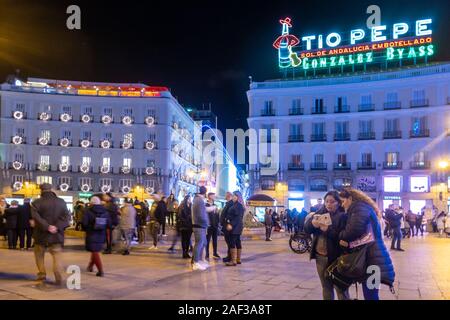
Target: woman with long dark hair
[(185, 221), (363, 222), (325, 225), (235, 226)]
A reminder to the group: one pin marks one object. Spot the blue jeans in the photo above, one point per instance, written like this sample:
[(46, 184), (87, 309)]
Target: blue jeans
[(396, 237), (200, 244), (369, 294)]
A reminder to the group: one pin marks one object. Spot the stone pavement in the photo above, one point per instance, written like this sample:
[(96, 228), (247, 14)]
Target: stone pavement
[(270, 270)]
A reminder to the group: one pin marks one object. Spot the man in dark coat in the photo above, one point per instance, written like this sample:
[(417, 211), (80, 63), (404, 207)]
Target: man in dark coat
[(51, 217), (11, 215), (223, 223), (394, 219), (213, 228), (23, 225)]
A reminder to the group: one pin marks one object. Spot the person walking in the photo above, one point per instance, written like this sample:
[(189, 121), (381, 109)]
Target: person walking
[(213, 228), (109, 202), (23, 225), (419, 225), (325, 244), (50, 217), (96, 220), (163, 207), (268, 223), (127, 224), (363, 223), (12, 216), (235, 226), (177, 227), (411, 218), (157, 217), (394, 218), (200, 223), (289, 220), (223, 222), (185, 221), (440, 223)]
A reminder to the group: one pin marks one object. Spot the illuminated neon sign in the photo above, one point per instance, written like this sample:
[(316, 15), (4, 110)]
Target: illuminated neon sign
[(328, 51)]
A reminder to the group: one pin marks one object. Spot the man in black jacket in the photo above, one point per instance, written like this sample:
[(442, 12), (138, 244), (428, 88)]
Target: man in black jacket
[(394, 219), (23, 224), (51, 217), (213, 229), (11, 215), (223, 223)]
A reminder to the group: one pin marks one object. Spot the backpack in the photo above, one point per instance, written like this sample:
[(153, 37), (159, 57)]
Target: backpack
[(101, 222)]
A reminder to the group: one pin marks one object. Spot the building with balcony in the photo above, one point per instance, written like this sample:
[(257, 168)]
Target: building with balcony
[(87, 137), (385, 134)]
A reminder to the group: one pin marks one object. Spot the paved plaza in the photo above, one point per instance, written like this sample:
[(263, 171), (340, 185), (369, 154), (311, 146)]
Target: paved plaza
[(270, 270)]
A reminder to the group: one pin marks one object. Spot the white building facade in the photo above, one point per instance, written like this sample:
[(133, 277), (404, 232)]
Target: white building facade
[(95, 137), (386, 133)]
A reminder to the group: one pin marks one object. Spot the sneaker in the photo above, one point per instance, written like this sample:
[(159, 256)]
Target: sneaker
[(400, 250), (197, 266), (204, 264), (164, 235), (171, 250), (216, 256), (153, 248)]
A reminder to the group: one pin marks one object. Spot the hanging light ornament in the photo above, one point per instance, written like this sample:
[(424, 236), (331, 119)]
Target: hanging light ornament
[(126, 189), (127, 120), (149, 171), (85, 187), (84, 168), (104, 169), (64, 142), (105, 188), (43, 141), (17, 185), (106, 119), (150, 121), (85, 143), (126, 170), (86, 118), (44, 116), (17, 140), (150, 145), (18, 115), (17, 165), (65, 117), (63, 167), (105, 144), (64, 187)]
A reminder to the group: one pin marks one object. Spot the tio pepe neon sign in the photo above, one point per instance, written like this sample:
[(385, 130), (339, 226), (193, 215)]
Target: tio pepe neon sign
[(363, 47)]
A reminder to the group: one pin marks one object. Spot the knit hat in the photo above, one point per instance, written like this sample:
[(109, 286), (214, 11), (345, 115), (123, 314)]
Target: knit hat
[(95, 201)]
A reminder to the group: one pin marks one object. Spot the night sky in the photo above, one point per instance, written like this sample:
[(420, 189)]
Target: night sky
[(204, 51)]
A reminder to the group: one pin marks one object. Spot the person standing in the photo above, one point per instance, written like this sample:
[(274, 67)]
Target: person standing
[(23, 225), (50, 219), (185, 222), (213, 228), (235, 225), (325, 245), (299, 221), (363, 223), (95, 221), (171, 209), (127, 224), (223, 222), (268, 223), (12, 216), (157, 219), (289, 220), (200, 223), (177, 227), (3, 206), (164, 209), (109, 202), (78, 214), (317, 206), (394, 219)]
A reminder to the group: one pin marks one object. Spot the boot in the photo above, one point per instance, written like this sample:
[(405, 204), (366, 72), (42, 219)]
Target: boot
[(238, 256), (232, 262)]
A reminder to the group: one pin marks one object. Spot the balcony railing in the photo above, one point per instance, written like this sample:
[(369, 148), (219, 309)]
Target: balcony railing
[(420, 165), (318, 166), (267, 113), (49, 141), (295, 111), (341, 109), (342, 166), (322, 188), (419, 103), (366, 136), (296, 138), (267, 186), (296, 166), (392, 134), (318, 137), (367, 165), (424, 133), (322, 110), (366, 107), (392, 165), (392, 105), (342, 136)]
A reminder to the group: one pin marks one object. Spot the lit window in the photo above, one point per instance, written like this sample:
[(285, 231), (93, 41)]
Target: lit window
[(419, 184), (392, 184), (127, 162), (86, 161), (43, 179), (106, 162), (65, 160), (44, 159)]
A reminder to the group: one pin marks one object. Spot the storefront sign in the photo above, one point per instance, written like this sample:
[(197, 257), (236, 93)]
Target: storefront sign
[(401, 42), (85, 194)]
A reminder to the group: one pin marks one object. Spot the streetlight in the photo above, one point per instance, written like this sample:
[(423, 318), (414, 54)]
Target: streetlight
[(443, 164)]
